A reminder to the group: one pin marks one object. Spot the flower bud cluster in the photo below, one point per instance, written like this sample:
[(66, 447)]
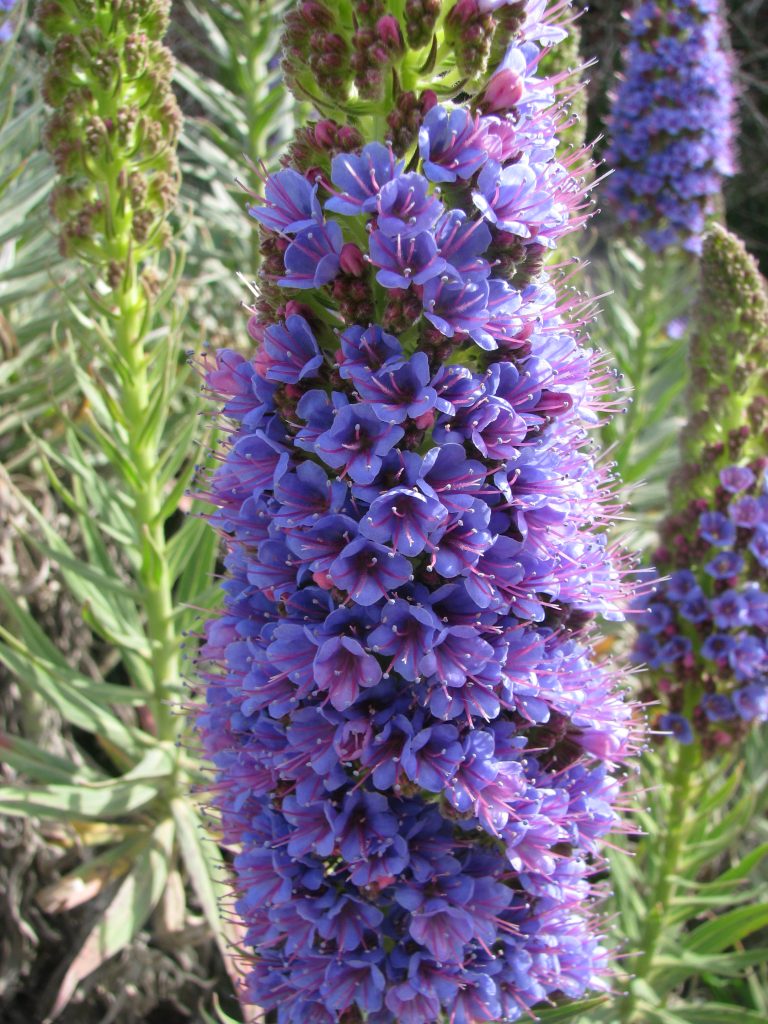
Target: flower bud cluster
[(672, 122), (115, 124), (415, 743)]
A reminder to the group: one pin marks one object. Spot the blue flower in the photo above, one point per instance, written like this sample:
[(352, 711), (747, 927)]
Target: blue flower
[(405, 259), (404, 517), (290, 203), (312, 258), (360, 177), (451, 144), (357, 441), (406, 207), (292, 351), (678, 726)]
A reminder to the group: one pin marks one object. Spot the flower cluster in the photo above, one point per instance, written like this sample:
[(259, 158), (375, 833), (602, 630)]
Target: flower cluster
[(671, 125), (707, 624), (414, 741)]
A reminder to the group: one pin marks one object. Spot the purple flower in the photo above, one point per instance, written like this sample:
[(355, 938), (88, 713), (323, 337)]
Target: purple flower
[(513, 198), (717, 529), (431, 756), (360, 177), (728, 609), (405, 259), (751, 702), (678, 726), (406, 208), (290, 203), (368, 571), (451, 144), (312, 258), (357, 441), (366, 351), (461, 242), (737, 478), (396, 393), (292, 351), (455, 305), (725, 565), (343, 668), (405, 518), (406, 633), (759, 544)]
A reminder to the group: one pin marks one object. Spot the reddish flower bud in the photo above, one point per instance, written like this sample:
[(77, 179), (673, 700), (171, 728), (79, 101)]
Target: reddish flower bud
[(351, 260), (502, 92), (390, 34)]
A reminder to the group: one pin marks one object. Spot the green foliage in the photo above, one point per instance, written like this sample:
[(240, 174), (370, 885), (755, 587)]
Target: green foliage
[(641, 297)]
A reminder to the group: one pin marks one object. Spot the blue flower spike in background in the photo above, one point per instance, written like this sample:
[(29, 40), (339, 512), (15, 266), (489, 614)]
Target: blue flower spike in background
[(417, 749), (672, 123)]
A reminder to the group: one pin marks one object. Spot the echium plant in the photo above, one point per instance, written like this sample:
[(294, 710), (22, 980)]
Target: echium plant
[(672, 122), (417, 749), (705, 633)]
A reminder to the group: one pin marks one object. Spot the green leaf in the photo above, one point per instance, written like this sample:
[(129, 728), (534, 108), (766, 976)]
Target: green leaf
[(39, 765), (111, 798), (126, 914), (569, 1011), (717, 1013), (722, 932)]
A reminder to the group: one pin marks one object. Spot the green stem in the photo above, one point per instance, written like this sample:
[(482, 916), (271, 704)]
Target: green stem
[(664, 885), (145, 488)]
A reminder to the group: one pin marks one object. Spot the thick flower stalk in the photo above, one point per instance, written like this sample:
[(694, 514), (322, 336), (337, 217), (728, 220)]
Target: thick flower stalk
[(705, 632), (672, 122), (416, 745), (112, 137)]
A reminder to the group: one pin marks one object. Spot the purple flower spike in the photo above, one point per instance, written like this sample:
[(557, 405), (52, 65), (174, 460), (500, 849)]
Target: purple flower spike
[(356, 442), (292, 351), (404, 260), (416, 751), (343, 668), (399, 393), (361, 177), (290, 203), (312, 258), (405, 518), (451, 144), (405, 206), (369, 571)]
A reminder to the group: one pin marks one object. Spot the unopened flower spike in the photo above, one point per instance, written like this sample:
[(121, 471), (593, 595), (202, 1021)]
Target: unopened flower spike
[(704, 635), (417, 752), (672, 122)]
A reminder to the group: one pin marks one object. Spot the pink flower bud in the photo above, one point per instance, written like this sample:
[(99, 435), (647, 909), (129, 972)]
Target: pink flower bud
[(295, 308), (502, 92), (325, 134), (389, 32), (255, 328), (428, 100), (426, 420), (351, 260)]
